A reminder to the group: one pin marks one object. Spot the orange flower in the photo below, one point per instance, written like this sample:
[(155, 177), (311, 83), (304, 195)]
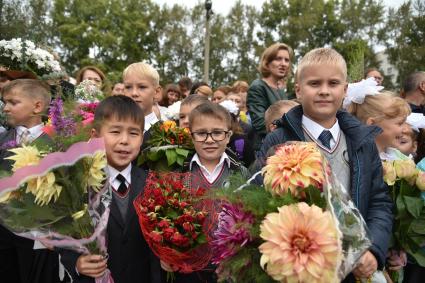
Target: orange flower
[(293, 168), (302, 245), (167, 125)]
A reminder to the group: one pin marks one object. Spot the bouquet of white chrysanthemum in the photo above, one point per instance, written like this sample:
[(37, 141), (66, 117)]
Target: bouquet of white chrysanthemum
[(23, 55), (87, 91)]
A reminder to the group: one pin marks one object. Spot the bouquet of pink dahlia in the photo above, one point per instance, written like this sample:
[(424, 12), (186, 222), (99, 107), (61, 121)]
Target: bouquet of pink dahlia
[(299, 227)]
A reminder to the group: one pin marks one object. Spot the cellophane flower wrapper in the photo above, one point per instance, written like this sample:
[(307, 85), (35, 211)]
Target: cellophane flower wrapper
[(237, 237), (174, 219), (75, 214)]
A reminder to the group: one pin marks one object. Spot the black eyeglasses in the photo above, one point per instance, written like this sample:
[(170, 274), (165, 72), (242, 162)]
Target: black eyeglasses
[(215, 135)]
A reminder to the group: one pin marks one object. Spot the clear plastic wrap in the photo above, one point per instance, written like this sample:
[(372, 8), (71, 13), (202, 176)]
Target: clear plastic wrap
[(60, 200)]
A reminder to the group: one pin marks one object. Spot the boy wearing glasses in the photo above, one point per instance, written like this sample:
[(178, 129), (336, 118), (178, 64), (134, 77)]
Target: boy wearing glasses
[(211, 165)]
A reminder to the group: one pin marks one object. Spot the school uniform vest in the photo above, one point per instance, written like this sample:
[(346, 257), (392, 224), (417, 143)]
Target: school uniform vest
[(337, 157)]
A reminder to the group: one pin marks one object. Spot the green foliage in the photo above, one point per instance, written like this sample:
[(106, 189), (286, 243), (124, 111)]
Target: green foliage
[(408, 230), (405, 36), (113, 34)]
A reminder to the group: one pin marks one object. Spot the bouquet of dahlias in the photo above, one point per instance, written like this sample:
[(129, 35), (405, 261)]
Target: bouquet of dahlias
[(174, 222), (168, 146), (299, 227), (407, 187)]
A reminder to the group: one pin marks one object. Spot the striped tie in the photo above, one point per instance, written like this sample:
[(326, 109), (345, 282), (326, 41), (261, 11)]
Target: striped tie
[(325, 138)]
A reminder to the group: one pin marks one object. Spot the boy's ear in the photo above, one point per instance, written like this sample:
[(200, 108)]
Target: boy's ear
[(94, 133), (370, 121), (297, 91), (38, 107)]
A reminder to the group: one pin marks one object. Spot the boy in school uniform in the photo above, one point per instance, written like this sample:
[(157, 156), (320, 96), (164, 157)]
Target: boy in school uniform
[(120, 121), (211, 165), (321, 84), (25, 102), (141, 83)]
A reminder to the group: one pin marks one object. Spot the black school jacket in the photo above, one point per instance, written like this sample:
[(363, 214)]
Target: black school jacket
[(130, 258)]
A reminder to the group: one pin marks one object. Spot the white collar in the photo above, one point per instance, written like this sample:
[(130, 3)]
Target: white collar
[(195, 159), (315, 129), (150, 119), (113, 173), (35, 132)]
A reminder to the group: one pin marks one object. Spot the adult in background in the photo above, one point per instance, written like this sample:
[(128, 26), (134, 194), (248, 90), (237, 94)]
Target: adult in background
[(275, 67), (414, 91), (375, 74), (185, 85), (170, 95), (118, 89), (95, 75)]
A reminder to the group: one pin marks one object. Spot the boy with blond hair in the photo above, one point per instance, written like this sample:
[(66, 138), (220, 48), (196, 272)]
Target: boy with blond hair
[(275, 112), (141, 83), (321, 85)]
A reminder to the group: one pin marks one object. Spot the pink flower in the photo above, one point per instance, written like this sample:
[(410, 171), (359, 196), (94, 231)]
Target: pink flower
[(301, 244), (233, 232), (293, 168)]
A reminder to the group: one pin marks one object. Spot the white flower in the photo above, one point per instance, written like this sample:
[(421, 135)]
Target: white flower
[(416, 121), (172, 111), (357, 92), (230, 106)]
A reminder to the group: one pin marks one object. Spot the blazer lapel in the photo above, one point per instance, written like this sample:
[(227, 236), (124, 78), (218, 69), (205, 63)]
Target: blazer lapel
[(137, 182)]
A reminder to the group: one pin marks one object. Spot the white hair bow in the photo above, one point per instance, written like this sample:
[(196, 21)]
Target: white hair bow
[(416, 121), (357, 92), (230, 106)]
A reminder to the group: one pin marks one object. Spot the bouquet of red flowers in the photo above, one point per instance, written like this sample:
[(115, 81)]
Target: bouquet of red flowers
[(173, 219)]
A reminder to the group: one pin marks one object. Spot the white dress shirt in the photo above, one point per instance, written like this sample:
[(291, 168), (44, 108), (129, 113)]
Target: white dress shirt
[(34, 133), (211, 176), (113, 173), (316, 129), (150, 119)]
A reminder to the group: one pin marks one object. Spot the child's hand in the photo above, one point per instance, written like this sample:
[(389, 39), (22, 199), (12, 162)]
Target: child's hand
[(367, 266), (396, 259), (91, 265)]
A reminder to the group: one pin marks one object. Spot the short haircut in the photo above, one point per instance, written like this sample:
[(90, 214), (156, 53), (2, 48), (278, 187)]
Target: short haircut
[(80, 74), (143, 70), (209, 109), (196, 85), (194, 99), (275, 110), (120, 107), (385, 105), (411, 83), (321, 56), (224, 89), (371, 69), (31, 88), (270, 54), (240, 86), (185, 82), (205, 90)]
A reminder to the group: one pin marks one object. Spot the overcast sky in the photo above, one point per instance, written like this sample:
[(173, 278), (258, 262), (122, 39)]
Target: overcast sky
[(223, 6)]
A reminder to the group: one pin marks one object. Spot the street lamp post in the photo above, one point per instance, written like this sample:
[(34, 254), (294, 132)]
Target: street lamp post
[(208, 6)]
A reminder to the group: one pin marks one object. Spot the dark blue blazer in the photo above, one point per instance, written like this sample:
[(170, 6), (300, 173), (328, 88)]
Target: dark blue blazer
[(368, 190), (130, 258)]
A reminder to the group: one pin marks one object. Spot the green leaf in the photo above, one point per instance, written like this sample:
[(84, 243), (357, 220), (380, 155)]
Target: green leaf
[(314, 196), (180, 160), (182, 151), (171, 156), (419, 256), (418, 226), (414, 205), (154, 155)]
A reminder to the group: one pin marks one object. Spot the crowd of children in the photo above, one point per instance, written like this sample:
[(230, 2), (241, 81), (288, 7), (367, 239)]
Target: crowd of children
[(353, 140)]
